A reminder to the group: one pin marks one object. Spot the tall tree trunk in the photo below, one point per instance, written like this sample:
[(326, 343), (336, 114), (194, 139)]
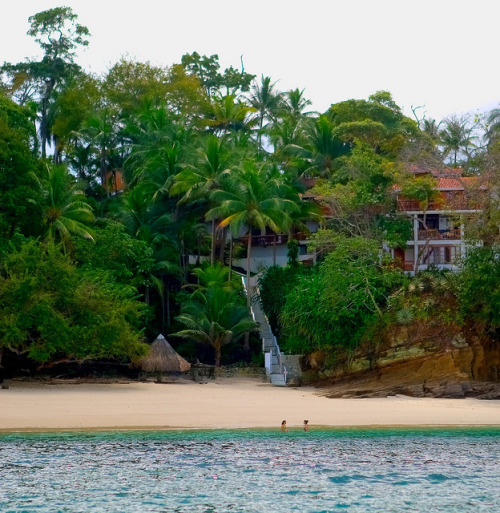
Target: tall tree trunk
[(162, 298), (44, 122), (217, 356), (259, 136), (222, 244), (185, 258), (168, 307), (249, 251), (57, 150), (246, 343), (274, 249), (12, 229), (43, 128), (36, 145), (198, 252), (212, 246), (103, 169), (231, 258)]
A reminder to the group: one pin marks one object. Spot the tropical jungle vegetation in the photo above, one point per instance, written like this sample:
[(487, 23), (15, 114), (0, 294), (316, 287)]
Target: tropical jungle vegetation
[(121, 195)]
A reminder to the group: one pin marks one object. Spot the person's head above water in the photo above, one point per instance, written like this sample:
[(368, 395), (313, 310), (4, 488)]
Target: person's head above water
[(283, 423)]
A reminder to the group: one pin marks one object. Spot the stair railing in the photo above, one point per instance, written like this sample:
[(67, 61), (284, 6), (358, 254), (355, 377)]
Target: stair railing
[(275, 348), (246, 292)]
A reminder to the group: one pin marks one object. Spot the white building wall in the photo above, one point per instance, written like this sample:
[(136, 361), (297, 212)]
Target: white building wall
[(262, 257)]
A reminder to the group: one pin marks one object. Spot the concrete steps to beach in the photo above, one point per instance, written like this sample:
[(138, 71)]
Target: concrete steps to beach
[(278, 380), (277, 373)]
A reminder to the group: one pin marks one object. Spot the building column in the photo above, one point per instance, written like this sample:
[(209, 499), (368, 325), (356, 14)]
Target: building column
[(462, 238), (415, 241)]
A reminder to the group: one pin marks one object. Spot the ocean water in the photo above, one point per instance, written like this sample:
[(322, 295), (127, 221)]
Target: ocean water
[(258, 471)]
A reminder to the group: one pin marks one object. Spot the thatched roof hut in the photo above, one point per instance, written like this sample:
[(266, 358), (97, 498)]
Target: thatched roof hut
[(163, 358)]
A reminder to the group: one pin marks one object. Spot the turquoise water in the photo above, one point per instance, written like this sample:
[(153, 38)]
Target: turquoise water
[(351, 470)]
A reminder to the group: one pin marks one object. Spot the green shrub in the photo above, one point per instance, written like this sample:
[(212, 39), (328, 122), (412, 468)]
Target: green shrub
[(480, 287)]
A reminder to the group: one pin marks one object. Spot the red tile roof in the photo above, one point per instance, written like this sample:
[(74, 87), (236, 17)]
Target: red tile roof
[(446, 171), (450, 179), (456, 183)]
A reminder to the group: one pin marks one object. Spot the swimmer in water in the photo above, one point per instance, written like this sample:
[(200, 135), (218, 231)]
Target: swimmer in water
[(306, 425), (283, 426)]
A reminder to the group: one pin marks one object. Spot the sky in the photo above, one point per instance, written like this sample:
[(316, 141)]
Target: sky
[(439, 57)]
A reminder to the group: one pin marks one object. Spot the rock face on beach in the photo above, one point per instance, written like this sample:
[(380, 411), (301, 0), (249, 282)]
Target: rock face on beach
[(415, 360)]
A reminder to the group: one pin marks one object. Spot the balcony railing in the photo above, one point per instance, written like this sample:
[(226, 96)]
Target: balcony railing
[(405, 205), (415, 205), (410, 266), (268, 240), (453, 234)]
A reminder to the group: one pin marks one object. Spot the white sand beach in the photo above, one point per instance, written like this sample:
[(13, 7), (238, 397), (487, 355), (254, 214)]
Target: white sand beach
[(221, 403)]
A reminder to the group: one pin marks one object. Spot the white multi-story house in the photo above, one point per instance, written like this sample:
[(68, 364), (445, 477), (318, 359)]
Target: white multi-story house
[(440, 224), (271, 249)]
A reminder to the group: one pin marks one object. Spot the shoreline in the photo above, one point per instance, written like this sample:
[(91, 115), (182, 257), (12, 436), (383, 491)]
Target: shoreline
[(293, 429), (228, 403)]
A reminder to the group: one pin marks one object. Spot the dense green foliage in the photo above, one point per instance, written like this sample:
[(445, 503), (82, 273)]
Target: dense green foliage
[(111, 186), (480, 287), (336, 303), (17, 164), (349, 298), (274, 286), (50, 308), (215, 313)]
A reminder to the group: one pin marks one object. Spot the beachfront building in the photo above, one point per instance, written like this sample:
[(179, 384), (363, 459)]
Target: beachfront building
[(271, 248), (267, 248), (439, 224)]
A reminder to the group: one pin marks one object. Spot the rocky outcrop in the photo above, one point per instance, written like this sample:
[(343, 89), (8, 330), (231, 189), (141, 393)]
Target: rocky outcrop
[(420, 360), (293, 365)]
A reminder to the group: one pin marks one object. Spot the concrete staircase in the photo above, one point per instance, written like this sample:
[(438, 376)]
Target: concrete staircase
[(275, 369), (278, 380)]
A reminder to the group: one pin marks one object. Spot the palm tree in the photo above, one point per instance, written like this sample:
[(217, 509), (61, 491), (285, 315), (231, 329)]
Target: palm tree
[(493, 131), (228, 115), (158, 145), (196, 182), (286, 134), (216, 275), (287, 187), (65, 211), (102, 132), (215, 316), (149, 222), (289, 126), (251, 200), (266, 101), (294, 103), (320, 149), (79, 158), (456, 136), (431, 128)]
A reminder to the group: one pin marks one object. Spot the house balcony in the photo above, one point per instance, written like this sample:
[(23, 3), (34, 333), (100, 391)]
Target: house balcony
[(457, 203), (409, 267), (406, 205), (269, 240), (453, 234)]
